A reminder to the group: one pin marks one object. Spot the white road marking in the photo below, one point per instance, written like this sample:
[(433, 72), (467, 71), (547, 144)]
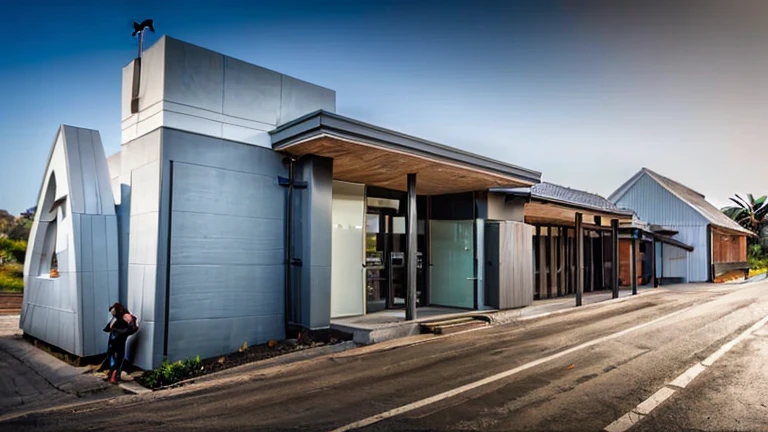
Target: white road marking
[(686, 377), (639, 412), (652, 402), (493, 378), (624, 422)]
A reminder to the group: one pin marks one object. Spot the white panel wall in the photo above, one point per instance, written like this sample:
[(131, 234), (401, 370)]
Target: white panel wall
[(348, 249), (190, 88), (70, 311), (675, 262), (698, 265), (139, 232), (227, 245), (300, 98)]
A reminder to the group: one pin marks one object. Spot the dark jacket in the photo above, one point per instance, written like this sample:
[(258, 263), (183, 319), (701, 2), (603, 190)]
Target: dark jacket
[(119, 328)]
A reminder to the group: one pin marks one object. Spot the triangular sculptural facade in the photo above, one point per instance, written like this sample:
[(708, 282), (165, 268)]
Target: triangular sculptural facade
[(71, 267)]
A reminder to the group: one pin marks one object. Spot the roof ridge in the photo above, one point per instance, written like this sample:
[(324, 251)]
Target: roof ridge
[(578, 190), (675, 183)]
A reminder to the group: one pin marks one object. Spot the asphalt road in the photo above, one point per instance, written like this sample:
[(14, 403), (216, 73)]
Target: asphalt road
[(591, 366)]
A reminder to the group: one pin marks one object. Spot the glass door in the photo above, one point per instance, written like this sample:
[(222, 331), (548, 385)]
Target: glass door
[(452, 274), (376, 252)]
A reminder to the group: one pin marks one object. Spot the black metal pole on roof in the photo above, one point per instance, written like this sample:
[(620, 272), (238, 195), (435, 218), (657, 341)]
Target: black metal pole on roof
[(139, 29)]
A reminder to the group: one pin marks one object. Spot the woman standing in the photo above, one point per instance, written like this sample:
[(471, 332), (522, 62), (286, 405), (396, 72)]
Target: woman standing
[(119, 328)]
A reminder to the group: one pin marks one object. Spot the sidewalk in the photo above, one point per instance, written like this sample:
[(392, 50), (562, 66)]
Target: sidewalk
[(31, 379), (385, 325)]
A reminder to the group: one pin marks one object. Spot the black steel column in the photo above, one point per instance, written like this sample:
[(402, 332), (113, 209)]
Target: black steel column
[(633, 264), (615, 257), (411, 241), (653, 262), (579, 259)]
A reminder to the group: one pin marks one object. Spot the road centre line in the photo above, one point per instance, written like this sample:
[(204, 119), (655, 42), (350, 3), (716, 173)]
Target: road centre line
[(499, 376)]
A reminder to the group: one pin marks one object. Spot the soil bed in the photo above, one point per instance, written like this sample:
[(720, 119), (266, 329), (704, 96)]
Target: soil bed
[(254, 353)]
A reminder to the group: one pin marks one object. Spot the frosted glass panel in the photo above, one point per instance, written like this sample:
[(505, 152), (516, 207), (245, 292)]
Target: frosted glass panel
[(452, 272), (347, 242), (398, 225)]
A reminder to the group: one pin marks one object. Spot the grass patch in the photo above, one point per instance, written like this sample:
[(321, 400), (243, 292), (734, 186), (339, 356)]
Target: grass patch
[(757, 272)]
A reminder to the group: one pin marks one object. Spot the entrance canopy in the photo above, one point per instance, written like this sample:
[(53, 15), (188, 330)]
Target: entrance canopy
[(363, 153), (551, 204)]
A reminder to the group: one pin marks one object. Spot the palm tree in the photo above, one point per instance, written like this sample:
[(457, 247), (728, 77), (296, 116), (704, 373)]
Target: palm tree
[(751, 214)]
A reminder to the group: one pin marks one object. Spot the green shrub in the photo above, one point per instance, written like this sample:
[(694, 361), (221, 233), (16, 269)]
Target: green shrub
[(171, 373), (11, 283), (15, 270), (13, 250), (757, 263)]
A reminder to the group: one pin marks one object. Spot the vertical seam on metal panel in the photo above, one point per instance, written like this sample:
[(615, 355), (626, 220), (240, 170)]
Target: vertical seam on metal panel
[(223, 86), (99, 209), (280, 102), (166, 318)]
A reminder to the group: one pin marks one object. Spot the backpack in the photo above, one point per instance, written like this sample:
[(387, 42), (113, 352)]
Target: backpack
[(133, 327)]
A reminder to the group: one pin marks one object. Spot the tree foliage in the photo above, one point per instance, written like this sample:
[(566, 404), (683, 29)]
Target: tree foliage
[(15, 228), (14, 232), (752, 214)]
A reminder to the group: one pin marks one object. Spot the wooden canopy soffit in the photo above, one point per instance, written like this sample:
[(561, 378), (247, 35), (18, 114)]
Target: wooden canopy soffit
[(538, 213), (363, 163)]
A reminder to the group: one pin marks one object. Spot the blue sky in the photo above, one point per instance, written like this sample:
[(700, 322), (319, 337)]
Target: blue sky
[(585, 92)]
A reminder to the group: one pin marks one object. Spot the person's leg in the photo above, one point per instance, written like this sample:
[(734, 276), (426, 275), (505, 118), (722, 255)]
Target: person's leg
[(119, 357), (110, 359)]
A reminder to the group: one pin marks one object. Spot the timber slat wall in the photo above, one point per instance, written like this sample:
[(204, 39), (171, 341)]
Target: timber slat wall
[(516, 265), (728, 248), (625, 269)]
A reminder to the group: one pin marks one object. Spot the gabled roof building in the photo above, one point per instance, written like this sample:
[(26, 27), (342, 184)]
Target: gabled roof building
[(720, 244)]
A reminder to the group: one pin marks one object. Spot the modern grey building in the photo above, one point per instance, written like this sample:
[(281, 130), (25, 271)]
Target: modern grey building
[(241, 205)]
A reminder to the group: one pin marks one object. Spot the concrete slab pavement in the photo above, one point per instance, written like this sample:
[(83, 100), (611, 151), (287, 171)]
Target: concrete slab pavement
[(32, 379)]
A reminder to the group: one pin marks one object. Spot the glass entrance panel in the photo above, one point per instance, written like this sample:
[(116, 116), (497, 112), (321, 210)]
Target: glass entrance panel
[(452, 275), (376, 280)]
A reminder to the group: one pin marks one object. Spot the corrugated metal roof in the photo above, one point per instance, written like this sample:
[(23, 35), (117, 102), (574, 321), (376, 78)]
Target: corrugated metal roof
[(560, 194), (694, 199)]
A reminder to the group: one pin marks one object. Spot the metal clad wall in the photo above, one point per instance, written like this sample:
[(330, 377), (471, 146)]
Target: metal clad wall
[(191, 88), (698, 265), (69, 311), (654, 204), (675, 261), (227, 245), (139, 231), (315, 239)]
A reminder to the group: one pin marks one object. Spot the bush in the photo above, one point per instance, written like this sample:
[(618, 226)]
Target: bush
[(11, 283), (171, 373), (13, 250), (15, 270), (757, 263)]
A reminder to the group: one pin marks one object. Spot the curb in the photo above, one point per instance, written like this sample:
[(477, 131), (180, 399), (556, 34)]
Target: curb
[(499, 318), (281, 360)]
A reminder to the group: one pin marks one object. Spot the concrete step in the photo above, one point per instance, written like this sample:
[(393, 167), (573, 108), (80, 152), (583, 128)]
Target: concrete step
[(453, 325)]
